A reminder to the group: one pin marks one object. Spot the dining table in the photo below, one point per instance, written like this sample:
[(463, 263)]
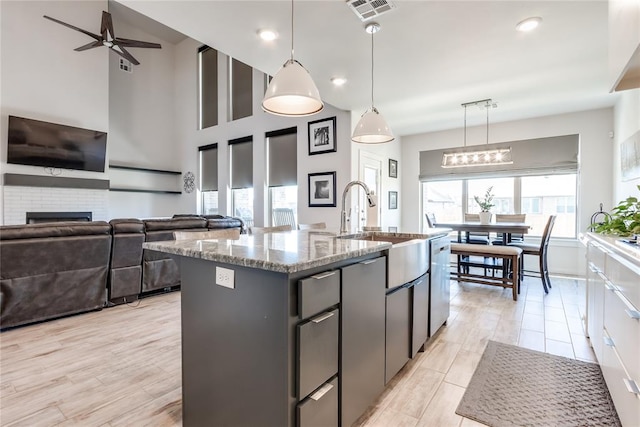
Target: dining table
[(504, 228)]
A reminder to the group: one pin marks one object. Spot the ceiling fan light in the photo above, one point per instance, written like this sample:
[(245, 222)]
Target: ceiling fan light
[(292, 92), (372, 128)]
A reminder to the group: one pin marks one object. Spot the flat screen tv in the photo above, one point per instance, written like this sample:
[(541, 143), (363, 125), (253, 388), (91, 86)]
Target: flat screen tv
[(37, 143)]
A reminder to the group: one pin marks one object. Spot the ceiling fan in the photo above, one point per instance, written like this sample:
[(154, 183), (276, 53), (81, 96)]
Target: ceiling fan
[(107, 38)]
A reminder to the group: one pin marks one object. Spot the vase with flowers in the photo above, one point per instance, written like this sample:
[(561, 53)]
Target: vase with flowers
[(485, 203)]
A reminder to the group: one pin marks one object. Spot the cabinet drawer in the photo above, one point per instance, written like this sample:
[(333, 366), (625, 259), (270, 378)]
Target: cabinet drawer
[(317, 351), (321, 408), (623, 330), (627, 404), (318, 292), (625, 276)]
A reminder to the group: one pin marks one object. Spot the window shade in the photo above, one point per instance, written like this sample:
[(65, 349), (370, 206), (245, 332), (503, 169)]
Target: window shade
[(538, 156), (282, 155), (208, 87), (209, 167), (241, 85), (241, 162)]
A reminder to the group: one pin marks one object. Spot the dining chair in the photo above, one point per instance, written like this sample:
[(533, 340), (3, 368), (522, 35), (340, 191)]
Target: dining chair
[(275, 229), (475, 238), (541, 251), (515, 237), (223, 233), (313, 226), (431, 219), (284, 216)]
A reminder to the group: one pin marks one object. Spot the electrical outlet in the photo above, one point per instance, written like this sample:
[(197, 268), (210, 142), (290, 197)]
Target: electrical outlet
[(225, 277)]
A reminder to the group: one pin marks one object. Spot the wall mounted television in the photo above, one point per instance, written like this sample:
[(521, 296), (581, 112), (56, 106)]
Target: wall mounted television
[(37, 143)]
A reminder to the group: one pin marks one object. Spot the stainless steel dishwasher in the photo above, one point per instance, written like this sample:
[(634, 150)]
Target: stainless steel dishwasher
[(439, 283)]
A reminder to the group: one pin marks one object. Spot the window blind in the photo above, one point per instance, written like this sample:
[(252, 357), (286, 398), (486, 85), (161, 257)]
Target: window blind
[(241, 162), (282, 155), (241, 85), (540, 156), (208, 70), (209, 167)]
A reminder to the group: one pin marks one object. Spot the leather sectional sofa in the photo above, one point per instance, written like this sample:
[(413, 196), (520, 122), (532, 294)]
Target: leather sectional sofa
[(51, 270)]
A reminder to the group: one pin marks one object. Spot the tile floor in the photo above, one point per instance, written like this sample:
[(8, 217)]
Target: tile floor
[(121, 367)]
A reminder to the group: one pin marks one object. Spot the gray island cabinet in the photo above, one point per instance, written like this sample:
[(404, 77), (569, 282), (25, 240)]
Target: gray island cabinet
[(296, 337)]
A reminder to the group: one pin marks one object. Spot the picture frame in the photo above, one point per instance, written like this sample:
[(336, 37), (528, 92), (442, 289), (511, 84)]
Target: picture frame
[(630, 158), (393, 168), (322, 189), (393, 200), (322, 136)]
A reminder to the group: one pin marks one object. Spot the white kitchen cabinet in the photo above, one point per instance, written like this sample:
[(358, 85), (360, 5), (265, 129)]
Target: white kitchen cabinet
[(613, 320)]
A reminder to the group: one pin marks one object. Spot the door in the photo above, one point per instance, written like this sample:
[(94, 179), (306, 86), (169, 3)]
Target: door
[(369, 172)]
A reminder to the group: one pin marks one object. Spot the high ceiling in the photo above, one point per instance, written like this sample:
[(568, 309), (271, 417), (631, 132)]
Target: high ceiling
[(430, 56)]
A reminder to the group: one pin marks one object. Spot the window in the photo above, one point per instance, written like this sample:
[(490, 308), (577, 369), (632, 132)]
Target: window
[(207, 87), (208, 179), (282, 170), (537, 196), (241, 152), (240, 89), (554, 195)]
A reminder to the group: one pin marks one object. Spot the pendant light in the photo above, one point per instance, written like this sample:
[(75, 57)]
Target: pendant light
[(372, 128), (488, 157), (291, 91)]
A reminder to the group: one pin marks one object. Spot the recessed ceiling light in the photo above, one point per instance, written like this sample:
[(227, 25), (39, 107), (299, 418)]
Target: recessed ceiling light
[(338, 81), (268, 35), (529, 24)]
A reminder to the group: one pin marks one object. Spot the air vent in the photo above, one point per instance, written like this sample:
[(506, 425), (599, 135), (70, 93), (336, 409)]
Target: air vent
[(368, 9)]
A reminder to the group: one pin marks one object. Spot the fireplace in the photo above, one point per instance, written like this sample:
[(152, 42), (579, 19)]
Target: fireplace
[(40, 217)]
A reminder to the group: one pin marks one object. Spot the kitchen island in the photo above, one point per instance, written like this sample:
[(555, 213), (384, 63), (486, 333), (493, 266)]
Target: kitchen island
[(291, 329)]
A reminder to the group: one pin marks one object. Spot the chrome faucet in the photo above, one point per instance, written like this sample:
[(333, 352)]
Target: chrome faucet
[(343, 213)]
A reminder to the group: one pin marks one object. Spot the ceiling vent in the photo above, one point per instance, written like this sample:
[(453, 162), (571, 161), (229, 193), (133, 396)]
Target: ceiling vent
[(368, 9)]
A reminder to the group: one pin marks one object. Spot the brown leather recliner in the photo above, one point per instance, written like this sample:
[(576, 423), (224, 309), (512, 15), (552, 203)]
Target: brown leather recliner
[(53, 269), (125, 273)]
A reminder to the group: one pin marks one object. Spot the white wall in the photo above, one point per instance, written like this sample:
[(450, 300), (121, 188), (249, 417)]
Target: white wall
[(596, 174), (43, 78), (190, 138), (627, 123), (143, 129)]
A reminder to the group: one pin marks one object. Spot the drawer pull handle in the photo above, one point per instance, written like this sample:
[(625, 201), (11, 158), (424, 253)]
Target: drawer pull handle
[(367, 262), (418, 282), (317, 395), (322, 276), (322, 317), (609, 286), (632, 386), (634, 314), (608, 342)]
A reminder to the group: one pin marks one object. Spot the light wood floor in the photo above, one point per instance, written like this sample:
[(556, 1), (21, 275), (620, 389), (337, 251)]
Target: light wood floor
[(121, 366)]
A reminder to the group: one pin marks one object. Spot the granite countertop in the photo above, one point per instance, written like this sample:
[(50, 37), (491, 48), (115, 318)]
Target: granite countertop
[(285, 252), (616, 244)]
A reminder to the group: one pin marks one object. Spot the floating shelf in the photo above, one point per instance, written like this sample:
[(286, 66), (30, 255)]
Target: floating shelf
[(134, 168), (137, 190)]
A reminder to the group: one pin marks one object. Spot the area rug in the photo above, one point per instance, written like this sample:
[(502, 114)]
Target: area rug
[(514, 386)]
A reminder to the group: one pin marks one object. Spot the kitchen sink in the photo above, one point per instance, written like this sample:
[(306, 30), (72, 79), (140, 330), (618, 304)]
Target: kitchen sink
[(407, 259)]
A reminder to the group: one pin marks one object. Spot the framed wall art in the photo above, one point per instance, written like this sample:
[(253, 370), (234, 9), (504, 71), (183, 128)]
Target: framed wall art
[(322, 189), (322, 136), (393, 168), (393, 200)]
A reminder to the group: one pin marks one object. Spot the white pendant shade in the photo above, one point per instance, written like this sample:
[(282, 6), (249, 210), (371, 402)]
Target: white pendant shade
[(372, 128), (292, 92)]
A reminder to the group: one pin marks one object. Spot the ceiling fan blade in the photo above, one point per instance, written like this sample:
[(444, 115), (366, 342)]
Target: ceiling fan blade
[(126, 55), (106, 26), (89, 46), (137, 43), (95, 36)]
